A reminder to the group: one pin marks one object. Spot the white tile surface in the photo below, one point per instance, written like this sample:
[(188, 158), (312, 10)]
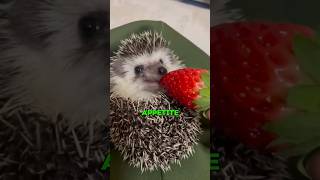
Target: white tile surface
[(191, 21)]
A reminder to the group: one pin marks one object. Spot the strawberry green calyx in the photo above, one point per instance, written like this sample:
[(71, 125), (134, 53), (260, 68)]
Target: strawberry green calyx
[(203, 101), (189, 86), (300, 130), (307, 50)]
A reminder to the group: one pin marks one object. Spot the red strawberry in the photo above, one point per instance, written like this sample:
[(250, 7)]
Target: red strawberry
[(254, 66), (189, 86)]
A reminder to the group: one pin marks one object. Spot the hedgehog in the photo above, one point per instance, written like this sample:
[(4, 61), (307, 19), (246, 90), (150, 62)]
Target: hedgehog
[(148, 142), (54, 58)]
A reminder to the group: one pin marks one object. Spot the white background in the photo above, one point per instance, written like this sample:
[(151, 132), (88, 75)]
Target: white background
[(191, 21)]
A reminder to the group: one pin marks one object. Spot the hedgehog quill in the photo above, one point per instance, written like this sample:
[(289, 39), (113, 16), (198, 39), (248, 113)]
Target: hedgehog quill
[(148, 142)]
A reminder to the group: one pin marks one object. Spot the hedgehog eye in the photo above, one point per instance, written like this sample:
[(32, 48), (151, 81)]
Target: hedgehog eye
[(139, 69), (93, 25), (161, 61)]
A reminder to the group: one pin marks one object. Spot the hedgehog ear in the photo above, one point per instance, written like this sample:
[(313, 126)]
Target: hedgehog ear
[(5, 6)]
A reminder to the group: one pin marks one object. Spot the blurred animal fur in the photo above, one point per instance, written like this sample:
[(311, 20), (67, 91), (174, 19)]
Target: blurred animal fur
[(51, 60), (53, 81)]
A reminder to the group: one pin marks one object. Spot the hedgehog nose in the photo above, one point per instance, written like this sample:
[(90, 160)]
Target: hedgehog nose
[(162, 70)]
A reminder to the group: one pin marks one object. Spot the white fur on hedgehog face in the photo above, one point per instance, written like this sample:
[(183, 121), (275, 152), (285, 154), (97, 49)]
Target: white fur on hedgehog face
[(127, 87), (62, 77)]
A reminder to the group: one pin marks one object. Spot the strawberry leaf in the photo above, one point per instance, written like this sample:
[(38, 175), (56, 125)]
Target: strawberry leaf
[(306, 98), (205, 92), (203, 103), (300, 131), (301, 149), (206, 78), (307, 51), (301, 166)]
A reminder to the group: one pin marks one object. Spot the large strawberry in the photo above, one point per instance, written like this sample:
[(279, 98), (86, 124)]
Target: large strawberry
[(253, 66), (189, 86)]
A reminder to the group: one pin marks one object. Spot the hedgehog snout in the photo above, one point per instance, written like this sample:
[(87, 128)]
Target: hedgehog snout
[(155, 73)]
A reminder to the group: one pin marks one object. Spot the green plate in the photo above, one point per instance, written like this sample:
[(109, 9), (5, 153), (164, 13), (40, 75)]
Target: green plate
[(196, 167)]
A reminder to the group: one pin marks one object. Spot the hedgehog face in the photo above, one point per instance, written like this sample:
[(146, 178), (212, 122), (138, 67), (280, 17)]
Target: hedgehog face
[(149, 75), (136, 71), (138, 76), (61, 51)]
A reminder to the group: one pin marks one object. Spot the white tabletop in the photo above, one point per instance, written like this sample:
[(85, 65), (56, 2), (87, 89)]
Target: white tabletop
[(191, 21)]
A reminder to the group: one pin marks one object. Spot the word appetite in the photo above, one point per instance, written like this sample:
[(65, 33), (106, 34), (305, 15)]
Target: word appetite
[(160, 113)]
